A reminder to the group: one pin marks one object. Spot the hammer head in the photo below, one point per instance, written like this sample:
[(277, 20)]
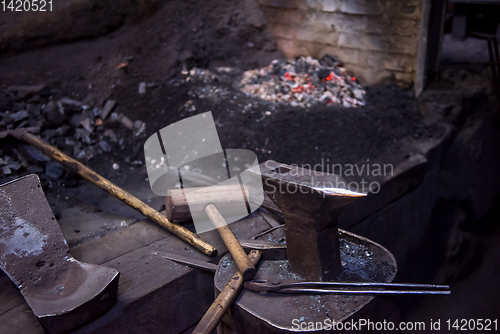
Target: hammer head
[(61, 291), (311, 202)]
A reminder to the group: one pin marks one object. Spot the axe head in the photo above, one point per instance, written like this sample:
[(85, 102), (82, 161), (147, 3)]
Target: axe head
[(62, 292)]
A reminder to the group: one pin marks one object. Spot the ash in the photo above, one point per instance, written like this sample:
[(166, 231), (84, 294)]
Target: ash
[(303, 82), (358, 264), (282, 270), (226, 263)]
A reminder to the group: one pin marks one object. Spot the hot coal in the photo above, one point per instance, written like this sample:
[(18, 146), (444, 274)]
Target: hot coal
[(304, 81)]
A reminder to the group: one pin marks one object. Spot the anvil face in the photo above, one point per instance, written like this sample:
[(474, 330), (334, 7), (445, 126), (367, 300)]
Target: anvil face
[(311, 202)]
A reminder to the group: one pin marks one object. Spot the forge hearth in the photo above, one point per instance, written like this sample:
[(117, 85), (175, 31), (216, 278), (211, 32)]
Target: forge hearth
[(304, 81)]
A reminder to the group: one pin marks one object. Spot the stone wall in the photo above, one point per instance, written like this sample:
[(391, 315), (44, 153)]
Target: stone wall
[(376, 39)]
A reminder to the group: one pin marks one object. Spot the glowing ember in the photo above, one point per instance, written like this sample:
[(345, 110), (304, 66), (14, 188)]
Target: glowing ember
[(303, 82)]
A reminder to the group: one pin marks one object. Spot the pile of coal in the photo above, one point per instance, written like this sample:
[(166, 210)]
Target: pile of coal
[(304, 81), (81, 130)]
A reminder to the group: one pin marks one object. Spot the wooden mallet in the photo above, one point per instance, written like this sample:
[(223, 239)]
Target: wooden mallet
[(177, 207)]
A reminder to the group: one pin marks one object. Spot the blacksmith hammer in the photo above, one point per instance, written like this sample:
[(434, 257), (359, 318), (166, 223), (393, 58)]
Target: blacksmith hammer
[(62, 292)]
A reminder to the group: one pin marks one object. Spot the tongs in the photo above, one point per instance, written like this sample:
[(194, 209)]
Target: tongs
[(355, 288)]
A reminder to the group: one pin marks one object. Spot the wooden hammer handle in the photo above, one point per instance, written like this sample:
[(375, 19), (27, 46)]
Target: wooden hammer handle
[(115, 191), (224, 300), (237, 252)]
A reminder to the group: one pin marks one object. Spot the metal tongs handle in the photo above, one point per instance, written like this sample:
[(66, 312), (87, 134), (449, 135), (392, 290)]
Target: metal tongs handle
[(375, 288)]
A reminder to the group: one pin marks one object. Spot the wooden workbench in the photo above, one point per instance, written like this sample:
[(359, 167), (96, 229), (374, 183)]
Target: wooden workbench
[(155, 295)]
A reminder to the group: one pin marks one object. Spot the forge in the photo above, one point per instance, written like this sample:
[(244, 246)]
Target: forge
[(340, 142)]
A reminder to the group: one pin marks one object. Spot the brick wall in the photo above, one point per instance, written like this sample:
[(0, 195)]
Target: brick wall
[(376, 39)]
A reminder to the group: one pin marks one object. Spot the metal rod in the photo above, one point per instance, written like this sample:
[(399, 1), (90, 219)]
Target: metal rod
[(358, 287), (366, 284), (188, 261), (371, 292), (267, 231)]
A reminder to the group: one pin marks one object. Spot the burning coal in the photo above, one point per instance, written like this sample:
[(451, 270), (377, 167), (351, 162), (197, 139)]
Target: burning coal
[(303, 82)]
